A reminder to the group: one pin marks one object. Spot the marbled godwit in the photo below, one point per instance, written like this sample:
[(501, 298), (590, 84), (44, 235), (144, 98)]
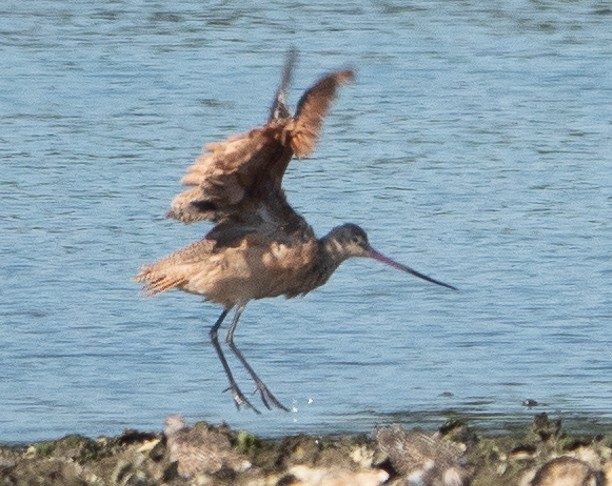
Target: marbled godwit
[(200, 450), (260, 247), (423, 459)]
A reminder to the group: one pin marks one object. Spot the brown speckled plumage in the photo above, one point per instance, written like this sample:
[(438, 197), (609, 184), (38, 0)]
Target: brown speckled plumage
[(200, 450), (422, 459), (239, 180), (260, 247)]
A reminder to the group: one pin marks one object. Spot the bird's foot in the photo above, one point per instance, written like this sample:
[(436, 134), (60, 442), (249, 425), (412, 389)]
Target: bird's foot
[(267, 397), (239, 399)]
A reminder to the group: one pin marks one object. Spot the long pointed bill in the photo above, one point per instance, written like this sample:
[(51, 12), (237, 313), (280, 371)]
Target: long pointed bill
[(392, 263)]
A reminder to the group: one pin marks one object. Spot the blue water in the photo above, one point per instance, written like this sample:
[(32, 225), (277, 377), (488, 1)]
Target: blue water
[(474, 146)]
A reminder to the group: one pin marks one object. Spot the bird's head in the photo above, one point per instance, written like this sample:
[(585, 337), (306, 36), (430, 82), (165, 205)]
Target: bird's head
[(349, 240), (173, 424)]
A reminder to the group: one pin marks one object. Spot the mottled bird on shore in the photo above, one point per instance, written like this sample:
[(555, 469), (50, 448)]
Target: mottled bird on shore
[(422, 459), (259, 247), (200, 450)]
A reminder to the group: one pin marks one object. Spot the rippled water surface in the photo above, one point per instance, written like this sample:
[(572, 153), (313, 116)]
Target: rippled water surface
[(475, 146)]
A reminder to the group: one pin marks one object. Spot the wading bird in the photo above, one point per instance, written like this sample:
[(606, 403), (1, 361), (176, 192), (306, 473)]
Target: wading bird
[(421, 458), (259, 247)]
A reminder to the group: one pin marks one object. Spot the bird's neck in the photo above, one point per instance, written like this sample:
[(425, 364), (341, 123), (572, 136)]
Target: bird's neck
[(331, 250), (332, 253), (328, 258)]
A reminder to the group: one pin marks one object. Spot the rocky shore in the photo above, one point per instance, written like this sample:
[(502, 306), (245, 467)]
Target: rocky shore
[(540, 454)]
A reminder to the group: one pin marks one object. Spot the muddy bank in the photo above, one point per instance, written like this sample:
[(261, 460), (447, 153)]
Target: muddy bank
[(541, 453)]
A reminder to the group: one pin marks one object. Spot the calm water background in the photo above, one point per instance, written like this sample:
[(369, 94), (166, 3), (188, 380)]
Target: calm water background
[(475, 146)]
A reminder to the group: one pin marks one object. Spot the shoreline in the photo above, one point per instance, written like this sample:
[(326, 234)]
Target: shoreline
[(207, 454)]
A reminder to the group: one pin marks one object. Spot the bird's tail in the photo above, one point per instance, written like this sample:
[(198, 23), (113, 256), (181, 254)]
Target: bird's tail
[(157, 282)]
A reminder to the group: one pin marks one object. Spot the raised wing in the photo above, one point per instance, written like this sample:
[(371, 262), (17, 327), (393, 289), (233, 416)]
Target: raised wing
[(279, 108), (238, 181), (312, 108), (228, 176)]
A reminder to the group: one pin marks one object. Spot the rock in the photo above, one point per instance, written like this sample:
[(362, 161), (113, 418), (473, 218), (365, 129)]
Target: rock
[(312, 476), (566, 471), (536, 454)]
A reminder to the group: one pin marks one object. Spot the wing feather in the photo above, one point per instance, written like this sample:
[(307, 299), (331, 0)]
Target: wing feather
[(230, 176), (279, 108), (311, 109), (239, 180)]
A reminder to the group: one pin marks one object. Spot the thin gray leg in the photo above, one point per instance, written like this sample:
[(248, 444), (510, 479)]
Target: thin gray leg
[(239, 398), (266, 396)]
